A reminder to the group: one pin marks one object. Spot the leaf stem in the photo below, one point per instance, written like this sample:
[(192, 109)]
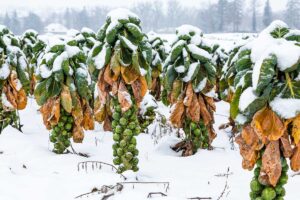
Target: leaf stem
[(289, 82)]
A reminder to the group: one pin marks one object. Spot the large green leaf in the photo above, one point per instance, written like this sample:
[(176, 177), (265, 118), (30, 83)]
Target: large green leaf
[(266, 73), (234, 104)]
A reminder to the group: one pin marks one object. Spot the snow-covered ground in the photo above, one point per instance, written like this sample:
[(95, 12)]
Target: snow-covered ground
[(30, 171)]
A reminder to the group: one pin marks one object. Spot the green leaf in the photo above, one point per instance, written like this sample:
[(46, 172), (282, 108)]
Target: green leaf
[(82, 85), (134, 30), (177, 49), (266, 73), (234, 104), (40, 92)]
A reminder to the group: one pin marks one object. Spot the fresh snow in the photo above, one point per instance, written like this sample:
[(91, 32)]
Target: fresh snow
[(247, 97), (4, 71), (57, 64), (198, 51), (121, 14), (201, 85), (286, 108), (190, 73), (100, 58), (186, 29), (147, 102)]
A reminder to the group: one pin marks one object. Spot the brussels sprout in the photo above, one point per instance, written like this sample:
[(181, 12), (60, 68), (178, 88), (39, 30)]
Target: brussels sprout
[(53, 139), (119, 129), (285, 169), (252, 195), (259, 163), (64, 132), (70, 120), (116, 137), (132, 125), (116, 116), (114, 124), (255, 186), (120, 151), (137, 130), (57, 129), (68, 127), (60, 124), (64, 118), (268, 193), (123, 143), (129, 155), (257, 172), (280, 190), (197, 132), (123, 121), (128, 113), (133, 141), (135, 161), (193, 125), (128, 132), (135, 152), (118, 108), (131, 148), (283, 179), (135, 168), (115, 146), (67, 143), (117, 161)]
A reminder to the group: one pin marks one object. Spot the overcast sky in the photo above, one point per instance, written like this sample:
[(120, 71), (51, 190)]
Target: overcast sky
[(51, 5)]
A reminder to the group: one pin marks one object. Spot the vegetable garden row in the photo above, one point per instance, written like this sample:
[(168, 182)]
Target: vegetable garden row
[(103, 77)]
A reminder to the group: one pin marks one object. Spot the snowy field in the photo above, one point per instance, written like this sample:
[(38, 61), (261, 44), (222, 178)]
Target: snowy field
[(29, 170)]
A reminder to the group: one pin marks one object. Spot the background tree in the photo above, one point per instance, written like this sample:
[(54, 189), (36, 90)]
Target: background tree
[(293, 13), (33, 21), (267, 18)]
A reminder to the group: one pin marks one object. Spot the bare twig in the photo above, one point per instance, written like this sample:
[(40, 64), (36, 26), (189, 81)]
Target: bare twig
[(74, 152), (141, 182), (199, 198), (296, 174), (224, 174), (226, 185), (158, 193), (97, 165), (108, 190)]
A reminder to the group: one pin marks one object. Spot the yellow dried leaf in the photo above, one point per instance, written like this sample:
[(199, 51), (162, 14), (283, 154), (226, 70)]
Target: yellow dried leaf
[(189, 94), (271, 163), (295, 160), (88, 121), (296, 129), (103, 88), (66, 99), (77, 111), (249, 154), (205, 114), (139, 88), (210, 101), (99, 111), (193, 111), (267, 125), (22, 99), (129, 74), (108, 77), (177, 113), (124, 97), (78, 134), (51, 112)]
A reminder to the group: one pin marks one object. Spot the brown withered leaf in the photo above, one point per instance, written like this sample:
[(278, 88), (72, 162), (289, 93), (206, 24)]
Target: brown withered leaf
[(139, 88), (153, 84), (108, 77), (114, 88), (99, 111), (32, 84), (267, 125), (271, 163), (193, 110), (251, 138), (129, 74), (189, 95), (295, 160), (22, 99), (177, 88), (124, 97), (107, 124), (296, 129), (211, 134), (210, 101), (77, 111), (14, 81), (204, 113), (11, 95), (88, 120), (177, 112), (286, 145), (249, 155), (78, 134), (51, 112), (66, 99), (102, 88)]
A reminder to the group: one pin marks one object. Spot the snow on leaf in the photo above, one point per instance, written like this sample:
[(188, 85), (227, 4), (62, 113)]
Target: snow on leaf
[(247, 97), (192, 71), (286, 108)]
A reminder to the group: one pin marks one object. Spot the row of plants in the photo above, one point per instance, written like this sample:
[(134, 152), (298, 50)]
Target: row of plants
[(114, 75)]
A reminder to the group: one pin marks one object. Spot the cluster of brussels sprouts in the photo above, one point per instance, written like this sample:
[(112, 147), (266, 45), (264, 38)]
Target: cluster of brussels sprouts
[(125, 127), (62, 132), (262, 192)]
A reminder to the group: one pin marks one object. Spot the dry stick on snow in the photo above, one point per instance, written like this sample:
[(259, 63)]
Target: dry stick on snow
[(104, 190), (158, 193), (145, 182), (74, 152), (296, 174), (95, 164), (200, 198), (226, 185)]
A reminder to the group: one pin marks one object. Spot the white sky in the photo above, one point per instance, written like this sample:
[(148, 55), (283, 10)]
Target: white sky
[(43, 5)]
